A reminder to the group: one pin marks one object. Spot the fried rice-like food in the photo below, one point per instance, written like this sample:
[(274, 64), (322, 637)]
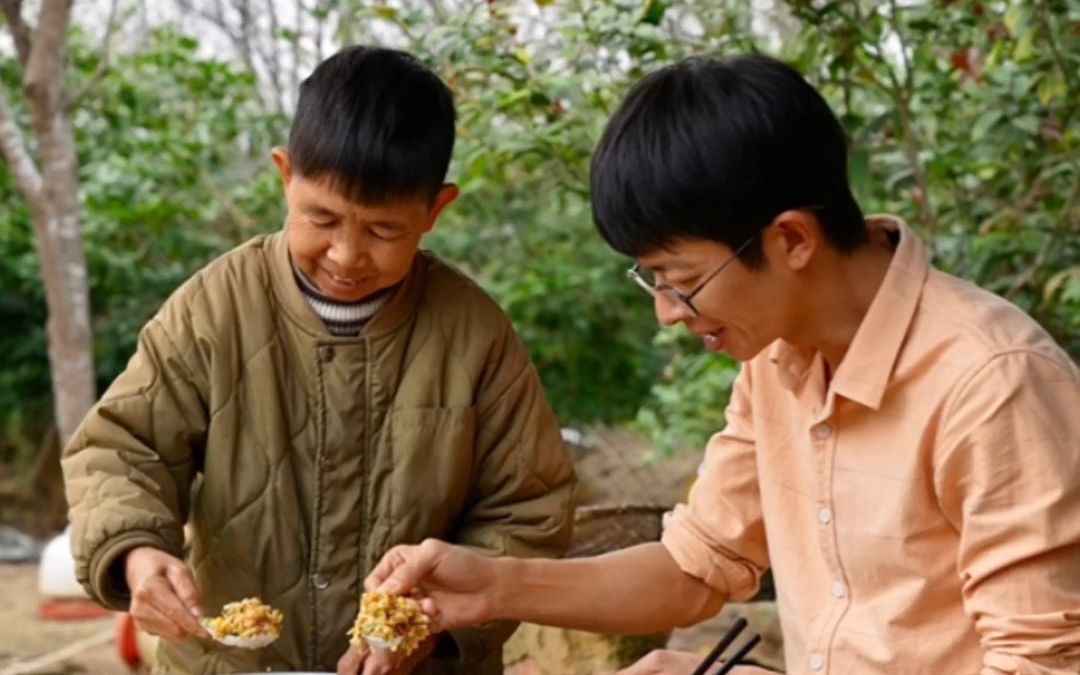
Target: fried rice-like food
[(247, 618), (387, 617)]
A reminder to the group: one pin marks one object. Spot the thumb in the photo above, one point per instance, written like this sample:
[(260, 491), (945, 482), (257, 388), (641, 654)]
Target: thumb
[(400, 570)]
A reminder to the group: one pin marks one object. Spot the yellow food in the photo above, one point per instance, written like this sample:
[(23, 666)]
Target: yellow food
[(247, 618), (388, 617)]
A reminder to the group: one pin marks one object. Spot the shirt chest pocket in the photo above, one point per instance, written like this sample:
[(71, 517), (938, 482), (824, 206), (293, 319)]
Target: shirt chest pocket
[(433, 464)]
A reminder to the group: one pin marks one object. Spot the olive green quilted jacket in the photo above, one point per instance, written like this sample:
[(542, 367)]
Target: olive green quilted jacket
[(299, 458)]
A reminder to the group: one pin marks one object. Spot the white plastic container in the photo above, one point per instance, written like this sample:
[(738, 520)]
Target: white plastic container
[(56, 573)]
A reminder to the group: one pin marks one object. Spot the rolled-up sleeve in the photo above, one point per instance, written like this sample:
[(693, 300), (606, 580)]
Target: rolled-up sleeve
[(1010, 483), (718, 536)]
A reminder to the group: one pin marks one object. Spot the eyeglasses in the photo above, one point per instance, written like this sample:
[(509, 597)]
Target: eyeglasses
[(644, 279)]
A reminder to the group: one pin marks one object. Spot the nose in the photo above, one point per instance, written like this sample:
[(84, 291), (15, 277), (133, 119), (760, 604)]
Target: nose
[(670, 311), (346, 251)]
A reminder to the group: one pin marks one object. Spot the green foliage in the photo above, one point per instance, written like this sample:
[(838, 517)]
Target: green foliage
[(173, 155), (959, 124), (174, 152), (963, 117), (531, 110), (687, 402), (967, 129)]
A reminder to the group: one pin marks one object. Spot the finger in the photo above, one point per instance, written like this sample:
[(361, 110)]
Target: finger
[(352, 661), (394, 558), (380, 662), (416, 563), (651, 664), (150, 620), (434, 615), (165, 600), (184, 583)]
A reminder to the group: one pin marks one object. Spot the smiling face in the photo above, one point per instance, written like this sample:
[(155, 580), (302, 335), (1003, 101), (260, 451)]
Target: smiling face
[(350, 250), (741, 310)]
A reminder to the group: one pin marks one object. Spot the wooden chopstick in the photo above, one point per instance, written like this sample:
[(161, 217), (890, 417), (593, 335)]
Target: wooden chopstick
[(738, 657), (728, 638)]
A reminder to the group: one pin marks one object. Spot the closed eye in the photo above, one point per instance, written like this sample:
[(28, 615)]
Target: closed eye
[(385, 233), (679, 284)]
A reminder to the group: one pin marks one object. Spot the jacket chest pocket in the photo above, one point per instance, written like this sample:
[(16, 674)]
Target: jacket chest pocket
[(432, 455)]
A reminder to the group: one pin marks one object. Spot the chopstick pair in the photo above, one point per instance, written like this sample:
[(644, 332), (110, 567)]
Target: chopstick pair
[(725, 641)]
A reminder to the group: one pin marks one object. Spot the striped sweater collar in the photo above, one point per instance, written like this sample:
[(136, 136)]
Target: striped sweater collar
[(342, 319)]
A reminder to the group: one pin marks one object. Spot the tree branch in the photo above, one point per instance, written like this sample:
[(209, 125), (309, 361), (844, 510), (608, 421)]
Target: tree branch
[(902, 93), (45, 67), (1064, 224), (26, 173), (273, 58), (1066, 72), (220, 21), (106, 60), (297, 37), (20, 30)]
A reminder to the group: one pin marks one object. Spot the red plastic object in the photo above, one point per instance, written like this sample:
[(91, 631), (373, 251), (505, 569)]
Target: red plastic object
[(125, 640), (70, 609)]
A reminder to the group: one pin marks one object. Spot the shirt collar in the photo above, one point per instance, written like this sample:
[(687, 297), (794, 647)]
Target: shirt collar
[(868, 364)]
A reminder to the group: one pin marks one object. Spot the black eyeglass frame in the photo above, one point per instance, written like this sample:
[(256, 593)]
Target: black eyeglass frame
[(674, 294)]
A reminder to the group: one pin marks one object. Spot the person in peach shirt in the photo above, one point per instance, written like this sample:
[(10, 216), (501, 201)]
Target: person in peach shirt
[(901, 447)]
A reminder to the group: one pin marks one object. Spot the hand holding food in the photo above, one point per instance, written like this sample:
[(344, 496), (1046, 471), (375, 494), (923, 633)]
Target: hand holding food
[(390, 622), (248, 624), (461, 587), (164, 599)]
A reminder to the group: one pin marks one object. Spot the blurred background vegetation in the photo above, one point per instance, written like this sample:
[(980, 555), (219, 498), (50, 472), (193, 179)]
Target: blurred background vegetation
[(962, 115)]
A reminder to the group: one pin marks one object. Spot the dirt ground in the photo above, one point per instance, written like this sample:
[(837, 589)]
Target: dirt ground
[(24, 637), (611, 471)]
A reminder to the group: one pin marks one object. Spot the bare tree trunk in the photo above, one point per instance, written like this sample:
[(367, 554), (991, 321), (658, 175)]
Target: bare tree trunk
[(52, 193)]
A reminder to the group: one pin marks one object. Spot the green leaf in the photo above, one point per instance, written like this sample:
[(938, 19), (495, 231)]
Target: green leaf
[(860, 172), (1017, 17), (1027, 123), (653, 12), (984, 124), (1051, 88)]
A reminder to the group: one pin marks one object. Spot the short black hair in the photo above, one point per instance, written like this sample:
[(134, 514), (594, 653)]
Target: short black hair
[(376, 122), (715, 149)]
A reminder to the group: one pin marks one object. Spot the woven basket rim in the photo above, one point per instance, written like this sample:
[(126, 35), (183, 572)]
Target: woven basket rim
[(600, 510)]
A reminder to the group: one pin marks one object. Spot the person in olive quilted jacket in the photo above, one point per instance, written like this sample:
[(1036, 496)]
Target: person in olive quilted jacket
[(317, 396)]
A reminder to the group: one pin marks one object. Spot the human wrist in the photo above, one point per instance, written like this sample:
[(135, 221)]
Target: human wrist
[(503, 593), (106, 575)]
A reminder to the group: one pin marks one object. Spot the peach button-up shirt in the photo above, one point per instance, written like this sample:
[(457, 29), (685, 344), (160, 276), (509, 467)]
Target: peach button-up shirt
[(921, 510)]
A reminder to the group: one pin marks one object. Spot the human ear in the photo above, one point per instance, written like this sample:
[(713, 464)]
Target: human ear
[(794, 236), (445, 197), (281, 158)]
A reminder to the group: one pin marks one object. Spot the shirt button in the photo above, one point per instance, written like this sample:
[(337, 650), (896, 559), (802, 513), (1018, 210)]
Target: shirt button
[(320, 582), (824, 516), (838, 590), (822, 431), (326, 353), (817, 661)]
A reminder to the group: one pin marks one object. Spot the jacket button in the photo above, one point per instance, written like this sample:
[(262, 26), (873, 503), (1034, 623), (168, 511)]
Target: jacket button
[(320, 582), (326, 353)]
